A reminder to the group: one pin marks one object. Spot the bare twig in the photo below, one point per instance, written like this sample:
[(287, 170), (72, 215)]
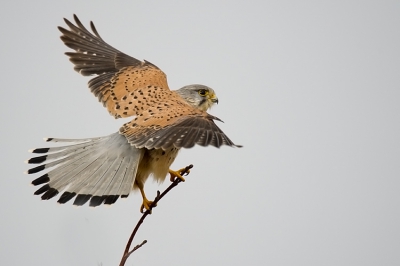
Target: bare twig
[(136, 247), (159, 196)]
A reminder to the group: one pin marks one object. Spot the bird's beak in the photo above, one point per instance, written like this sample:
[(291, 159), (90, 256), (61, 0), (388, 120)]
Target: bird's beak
[(214, 99)]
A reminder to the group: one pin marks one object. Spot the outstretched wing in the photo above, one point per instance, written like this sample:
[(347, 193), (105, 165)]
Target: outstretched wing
[(129, 87), (121, 79), (180, 129)]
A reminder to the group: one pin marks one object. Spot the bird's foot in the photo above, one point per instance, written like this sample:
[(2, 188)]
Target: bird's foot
[(147, 204), (177, 174)]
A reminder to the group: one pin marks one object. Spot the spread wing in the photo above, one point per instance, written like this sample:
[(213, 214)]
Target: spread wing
[(129, 87), (120, 77), (179, 129)]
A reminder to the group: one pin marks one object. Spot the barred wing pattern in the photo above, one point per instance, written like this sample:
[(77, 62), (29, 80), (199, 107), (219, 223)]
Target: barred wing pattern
[(103, 169)]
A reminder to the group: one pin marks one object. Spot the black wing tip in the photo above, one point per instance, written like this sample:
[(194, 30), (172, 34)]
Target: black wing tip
[(229, 143), (76, 18), (66, 21), (62, 30), (94, 30), (215, 118), (150, 64)]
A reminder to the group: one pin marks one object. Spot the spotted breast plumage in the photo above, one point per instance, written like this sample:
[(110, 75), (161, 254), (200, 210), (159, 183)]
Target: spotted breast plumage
[(102, 169)]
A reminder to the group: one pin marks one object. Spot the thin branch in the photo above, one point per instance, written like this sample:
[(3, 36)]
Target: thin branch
[(136, 247), (159, 196)]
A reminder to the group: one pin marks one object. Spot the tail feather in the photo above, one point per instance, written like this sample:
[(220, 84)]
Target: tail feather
[(65, 197), (125, 186), (108, 175), (59, 177), (73, 140), (66, 159), (60, 148), (96, 169), (114, 186), (88, 165), (75, 172), (104, 179), (121, 177), (95, 179)]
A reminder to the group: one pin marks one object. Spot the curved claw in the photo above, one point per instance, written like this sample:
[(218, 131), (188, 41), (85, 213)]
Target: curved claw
[(177, 174), (146, 205)]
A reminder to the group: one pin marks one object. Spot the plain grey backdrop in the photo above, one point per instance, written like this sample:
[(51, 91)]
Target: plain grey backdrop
[(310, 88)]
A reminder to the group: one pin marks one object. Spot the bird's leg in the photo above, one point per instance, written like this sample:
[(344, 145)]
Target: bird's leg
[(146, 203), (177, 174)]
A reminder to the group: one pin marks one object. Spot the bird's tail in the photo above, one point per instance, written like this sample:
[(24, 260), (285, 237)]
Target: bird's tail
[(100, 169)]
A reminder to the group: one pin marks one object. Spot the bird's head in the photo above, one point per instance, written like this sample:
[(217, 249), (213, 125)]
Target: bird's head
[(198, 96)]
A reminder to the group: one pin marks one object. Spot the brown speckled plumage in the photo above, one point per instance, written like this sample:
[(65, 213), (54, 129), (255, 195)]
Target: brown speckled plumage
[(102, 169)]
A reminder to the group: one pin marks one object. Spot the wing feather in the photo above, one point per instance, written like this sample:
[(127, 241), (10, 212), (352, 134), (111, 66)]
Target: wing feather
[(183, 132), (120, 76), (130, 87)]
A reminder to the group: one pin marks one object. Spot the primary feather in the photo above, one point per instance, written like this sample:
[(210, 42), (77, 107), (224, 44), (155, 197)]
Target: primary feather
[(101, 170)]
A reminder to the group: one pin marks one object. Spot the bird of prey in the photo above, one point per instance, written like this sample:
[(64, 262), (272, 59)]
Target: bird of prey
[(102, 169)]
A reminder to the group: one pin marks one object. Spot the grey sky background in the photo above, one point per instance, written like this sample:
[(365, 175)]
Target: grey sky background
[(310, 88)]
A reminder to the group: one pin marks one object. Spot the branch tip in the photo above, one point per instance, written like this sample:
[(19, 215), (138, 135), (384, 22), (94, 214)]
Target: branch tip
[(159, 196)]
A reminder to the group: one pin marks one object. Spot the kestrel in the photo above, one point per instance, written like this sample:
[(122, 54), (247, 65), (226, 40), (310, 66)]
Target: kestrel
[(103, 169)]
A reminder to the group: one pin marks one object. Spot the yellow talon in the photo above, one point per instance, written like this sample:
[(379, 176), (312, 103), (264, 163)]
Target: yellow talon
[(177, 174), (146, 203)]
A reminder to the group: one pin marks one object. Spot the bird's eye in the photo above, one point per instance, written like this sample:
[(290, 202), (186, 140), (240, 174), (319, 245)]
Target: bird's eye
[(203, 92)]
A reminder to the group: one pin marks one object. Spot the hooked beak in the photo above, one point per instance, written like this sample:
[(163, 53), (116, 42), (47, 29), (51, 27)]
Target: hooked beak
[(214, 99)]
